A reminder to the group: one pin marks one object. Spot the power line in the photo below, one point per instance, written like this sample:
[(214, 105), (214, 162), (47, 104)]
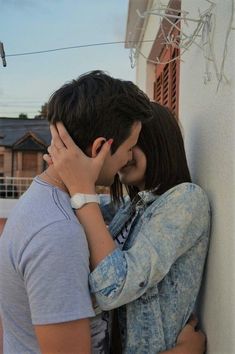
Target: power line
[(75, 47), (19, 111), (18, 100), (18, 105)]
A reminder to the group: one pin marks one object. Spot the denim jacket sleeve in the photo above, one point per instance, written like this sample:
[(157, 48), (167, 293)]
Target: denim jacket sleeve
[(176, 221)]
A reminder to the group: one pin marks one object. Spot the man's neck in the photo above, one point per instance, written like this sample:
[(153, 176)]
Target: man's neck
[(50, 176)]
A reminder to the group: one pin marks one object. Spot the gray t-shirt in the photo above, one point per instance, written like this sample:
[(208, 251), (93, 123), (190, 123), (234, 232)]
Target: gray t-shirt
[(44, 267)]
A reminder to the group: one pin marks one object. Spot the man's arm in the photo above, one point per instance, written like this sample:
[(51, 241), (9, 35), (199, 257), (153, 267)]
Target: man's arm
[(64, 338), (55, 266), (1, 337)]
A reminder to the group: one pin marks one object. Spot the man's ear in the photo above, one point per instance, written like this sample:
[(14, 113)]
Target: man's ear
[(96, 146)]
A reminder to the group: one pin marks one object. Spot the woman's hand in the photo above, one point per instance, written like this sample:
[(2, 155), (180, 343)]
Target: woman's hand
[(79, 174), (78, 171)]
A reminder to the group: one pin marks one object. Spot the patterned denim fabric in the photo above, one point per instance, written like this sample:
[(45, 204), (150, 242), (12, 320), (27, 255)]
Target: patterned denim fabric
[(159, 271)]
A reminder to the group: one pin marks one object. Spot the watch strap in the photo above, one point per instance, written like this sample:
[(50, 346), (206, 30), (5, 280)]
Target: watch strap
[(78, 200)]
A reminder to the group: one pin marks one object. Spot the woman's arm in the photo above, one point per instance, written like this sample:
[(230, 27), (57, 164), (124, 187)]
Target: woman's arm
[(99, 239), (175, 226)]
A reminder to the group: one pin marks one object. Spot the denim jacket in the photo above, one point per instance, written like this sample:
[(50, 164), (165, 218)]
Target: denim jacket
[(155, 279)]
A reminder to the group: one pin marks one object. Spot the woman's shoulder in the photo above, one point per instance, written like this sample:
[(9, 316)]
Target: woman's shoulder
[(185, 194), (187, 188), (183, 206)]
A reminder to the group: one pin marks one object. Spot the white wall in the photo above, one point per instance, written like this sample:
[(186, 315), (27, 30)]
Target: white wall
[(151, 30), (208, 119)]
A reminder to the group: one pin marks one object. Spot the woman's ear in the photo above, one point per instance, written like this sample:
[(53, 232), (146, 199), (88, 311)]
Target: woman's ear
[(96, 146)]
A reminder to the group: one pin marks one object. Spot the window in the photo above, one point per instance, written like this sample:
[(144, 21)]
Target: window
[(1, 161), (29, 161)]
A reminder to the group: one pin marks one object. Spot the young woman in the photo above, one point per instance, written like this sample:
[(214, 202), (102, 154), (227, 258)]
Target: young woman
[(151, 267)]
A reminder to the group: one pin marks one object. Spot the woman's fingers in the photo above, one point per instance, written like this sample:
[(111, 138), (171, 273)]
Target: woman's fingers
[(49, 149), (48, 159), (56, 139), (103, 152), (60, 137), (78, 171), (64, 136)]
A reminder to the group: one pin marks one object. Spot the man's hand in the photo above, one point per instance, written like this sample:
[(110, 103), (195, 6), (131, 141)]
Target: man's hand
[(189, 341), (192, 342)]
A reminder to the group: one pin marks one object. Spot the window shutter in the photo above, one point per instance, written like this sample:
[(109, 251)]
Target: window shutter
[(166, 85), (175, 81), (158, 89)]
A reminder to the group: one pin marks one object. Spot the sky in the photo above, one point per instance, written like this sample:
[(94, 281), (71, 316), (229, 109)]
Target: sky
[(27, 81)]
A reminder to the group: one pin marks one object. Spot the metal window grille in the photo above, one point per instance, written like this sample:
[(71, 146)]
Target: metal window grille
[(14, 187)]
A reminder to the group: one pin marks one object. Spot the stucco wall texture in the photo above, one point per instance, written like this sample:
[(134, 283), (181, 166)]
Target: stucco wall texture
[(208, 120)]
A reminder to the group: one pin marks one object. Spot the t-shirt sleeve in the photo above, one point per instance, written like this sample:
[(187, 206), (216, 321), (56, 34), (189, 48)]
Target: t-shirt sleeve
[(55, 269)]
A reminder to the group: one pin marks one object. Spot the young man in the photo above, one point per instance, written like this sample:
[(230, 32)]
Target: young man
[(44, 257)]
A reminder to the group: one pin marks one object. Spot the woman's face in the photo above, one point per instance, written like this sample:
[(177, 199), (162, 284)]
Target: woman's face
[(134, 172)]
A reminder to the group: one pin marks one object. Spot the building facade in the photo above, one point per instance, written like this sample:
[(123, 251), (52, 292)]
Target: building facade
[(200, 88), (22, 144)]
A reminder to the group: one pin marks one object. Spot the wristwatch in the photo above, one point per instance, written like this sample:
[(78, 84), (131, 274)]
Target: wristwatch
[(78, 200)]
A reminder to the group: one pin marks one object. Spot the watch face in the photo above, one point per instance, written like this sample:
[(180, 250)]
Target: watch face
[(78, 200)]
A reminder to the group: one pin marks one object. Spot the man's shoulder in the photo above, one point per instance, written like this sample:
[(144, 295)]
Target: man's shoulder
[(40, 206), (37, 218)]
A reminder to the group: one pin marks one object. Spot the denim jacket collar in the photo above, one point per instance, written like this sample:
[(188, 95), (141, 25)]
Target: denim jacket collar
[(147, 196), (143, 198)]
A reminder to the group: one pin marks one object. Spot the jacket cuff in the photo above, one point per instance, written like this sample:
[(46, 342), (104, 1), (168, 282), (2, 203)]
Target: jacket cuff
[(110, 273)]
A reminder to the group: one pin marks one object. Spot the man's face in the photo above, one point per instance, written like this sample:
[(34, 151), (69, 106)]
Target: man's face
[(113, 163)]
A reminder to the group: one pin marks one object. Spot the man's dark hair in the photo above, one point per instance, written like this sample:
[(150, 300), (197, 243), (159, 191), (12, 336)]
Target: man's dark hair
[(97, 105), (162, 143)]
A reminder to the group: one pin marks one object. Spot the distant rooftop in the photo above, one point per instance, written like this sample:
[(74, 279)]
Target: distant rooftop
[(13, 130)]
